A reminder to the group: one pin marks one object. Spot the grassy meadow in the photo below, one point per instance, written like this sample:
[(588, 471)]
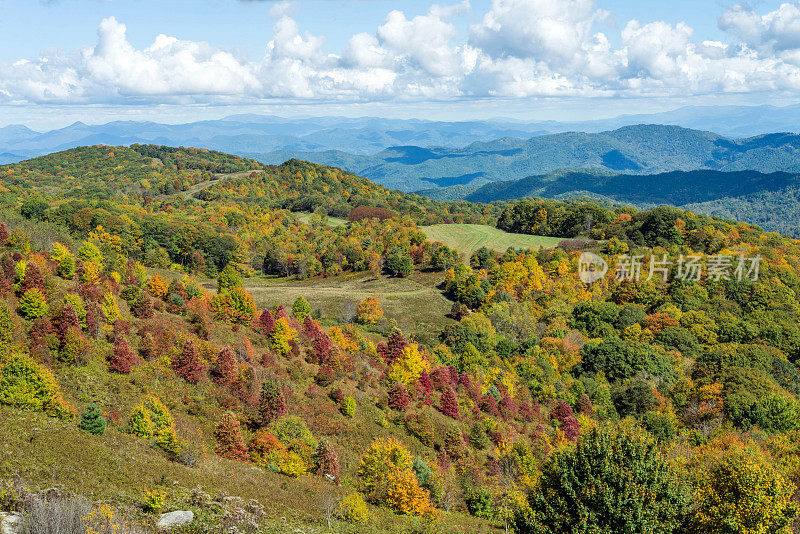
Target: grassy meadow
[(467, 238)]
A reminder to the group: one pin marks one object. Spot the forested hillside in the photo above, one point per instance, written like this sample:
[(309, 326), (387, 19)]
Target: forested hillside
[(768, 200), (147, 364), (638, 149)]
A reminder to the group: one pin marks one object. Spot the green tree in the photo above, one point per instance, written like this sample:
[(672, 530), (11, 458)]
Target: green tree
[(228, 279), (33, 304), (614, 480), (93, 421), (300, 308)]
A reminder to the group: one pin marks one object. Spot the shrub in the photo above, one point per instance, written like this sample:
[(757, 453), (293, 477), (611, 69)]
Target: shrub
[(265, 449), (353, 509), (154, 500), (142, 306), (405, 496), (369, 311), (228, 434), (93, 421), (33, 304), (349, 407), (292, 464), (614, 480), (26, 384)]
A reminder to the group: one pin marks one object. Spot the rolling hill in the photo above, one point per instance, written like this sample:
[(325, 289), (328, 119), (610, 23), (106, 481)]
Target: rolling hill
[(639, 149)]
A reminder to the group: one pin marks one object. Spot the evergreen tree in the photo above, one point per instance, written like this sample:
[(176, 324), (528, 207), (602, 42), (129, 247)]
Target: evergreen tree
[(92, 420)]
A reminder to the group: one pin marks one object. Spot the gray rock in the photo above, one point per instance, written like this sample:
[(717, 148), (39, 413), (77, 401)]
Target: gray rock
[(10, 524), (175, 519)]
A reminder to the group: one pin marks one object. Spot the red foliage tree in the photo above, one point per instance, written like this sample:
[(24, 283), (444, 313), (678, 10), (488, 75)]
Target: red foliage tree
[(370, 212), (508, 408), (326, 460), (569, 424), (449, 405), (424, 387), (525, 412), (188, 364), (67, 319), (225, 367), (489, 405), (393, 347), (399, 397), (229, 438), (122, 358), (281, 313), (33, 278), (440, 378), (266, 322)]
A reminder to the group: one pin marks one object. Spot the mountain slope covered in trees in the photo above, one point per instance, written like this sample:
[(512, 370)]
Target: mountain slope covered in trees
[(148, 365), (639, 149)]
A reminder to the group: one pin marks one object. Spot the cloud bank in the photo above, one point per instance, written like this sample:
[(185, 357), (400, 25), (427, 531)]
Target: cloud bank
[(518, 49)]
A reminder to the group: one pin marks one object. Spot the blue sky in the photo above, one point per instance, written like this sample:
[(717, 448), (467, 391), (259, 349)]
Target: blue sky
[(176, 59)]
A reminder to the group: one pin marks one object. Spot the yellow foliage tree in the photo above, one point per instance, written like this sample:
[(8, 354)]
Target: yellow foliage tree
[(408, 367), (405, 496), (744, 493), (157, 286), (369, 311), (282, 334)]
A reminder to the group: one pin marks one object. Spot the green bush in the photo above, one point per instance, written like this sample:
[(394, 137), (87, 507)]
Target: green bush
[(33, 304), (614, 480), (349, 407)]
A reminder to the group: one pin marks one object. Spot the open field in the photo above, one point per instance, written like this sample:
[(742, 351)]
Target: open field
[(414, 303), (304, 217), (467, 238)]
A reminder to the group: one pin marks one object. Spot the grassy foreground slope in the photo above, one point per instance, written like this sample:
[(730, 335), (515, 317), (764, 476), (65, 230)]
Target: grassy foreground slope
[(467, 238)]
